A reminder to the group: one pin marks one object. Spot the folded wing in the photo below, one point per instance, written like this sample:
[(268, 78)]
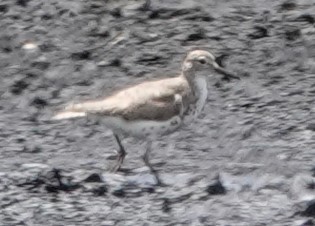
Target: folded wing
[(155, 100)]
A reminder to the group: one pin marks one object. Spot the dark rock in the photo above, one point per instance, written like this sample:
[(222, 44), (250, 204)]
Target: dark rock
[(102, 32), (309, 211), (288, 5), (148, 189), (32, 74), (247, 105), (7, 49), (4, 8), (154, 14), (93, 178), (84, 82), (46, 16), (309, 222), (100, 191), (115, 62), (307, 18), (166, 205), (311, 185), (18, 87), (311, 127), (39, 103), (20, 140), (116, 13), (41, 64), (216, 188), (81, 55), (259, 32), (196, 36), (52, 188), (150, 59), (120, 192), (22, 2), (292, 35)]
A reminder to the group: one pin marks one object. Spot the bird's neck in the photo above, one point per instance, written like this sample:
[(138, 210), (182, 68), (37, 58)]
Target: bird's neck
[(195, 80), (199, 89)]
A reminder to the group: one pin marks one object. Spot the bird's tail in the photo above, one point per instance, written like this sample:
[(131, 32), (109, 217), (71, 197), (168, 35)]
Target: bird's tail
[(77, 110), (68, 114)]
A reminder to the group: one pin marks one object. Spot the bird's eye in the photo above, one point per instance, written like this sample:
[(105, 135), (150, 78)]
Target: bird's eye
[(202, 61)]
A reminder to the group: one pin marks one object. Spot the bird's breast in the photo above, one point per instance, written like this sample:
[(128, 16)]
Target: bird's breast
[(198, 97)]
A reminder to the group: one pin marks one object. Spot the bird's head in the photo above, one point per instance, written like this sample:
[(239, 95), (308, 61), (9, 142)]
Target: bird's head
[(201, 61)]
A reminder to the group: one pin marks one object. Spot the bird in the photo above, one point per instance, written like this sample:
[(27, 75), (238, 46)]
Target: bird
[(155, 108)]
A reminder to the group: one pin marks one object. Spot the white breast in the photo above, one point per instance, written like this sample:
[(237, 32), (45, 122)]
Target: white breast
[(201, 85), (201, 92)]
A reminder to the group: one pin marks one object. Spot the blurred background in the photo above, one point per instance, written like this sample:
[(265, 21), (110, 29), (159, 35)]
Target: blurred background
[(248, 160)]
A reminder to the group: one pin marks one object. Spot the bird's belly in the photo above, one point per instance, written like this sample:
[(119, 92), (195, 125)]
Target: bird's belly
[(142, 128), (193, 110)]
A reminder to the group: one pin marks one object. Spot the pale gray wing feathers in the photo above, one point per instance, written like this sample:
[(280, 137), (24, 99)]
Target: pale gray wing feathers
[(158, 100)]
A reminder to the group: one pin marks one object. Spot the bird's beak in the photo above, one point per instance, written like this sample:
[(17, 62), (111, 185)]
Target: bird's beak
[(222, 71)]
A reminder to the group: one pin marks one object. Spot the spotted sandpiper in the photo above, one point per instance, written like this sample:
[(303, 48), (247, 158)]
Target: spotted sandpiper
[(153, 108)]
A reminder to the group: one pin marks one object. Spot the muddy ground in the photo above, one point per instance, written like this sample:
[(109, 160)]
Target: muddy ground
[(247, 160)]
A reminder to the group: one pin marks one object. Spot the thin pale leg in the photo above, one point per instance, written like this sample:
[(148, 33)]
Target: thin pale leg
[(148, 164), (121, 154), (178, 99)]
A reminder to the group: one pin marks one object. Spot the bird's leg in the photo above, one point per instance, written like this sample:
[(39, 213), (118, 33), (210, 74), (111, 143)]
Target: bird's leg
[(178, 99), (147, 163), (121, 154)]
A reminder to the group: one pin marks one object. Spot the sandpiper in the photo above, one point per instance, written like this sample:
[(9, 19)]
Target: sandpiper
[(153, 108)]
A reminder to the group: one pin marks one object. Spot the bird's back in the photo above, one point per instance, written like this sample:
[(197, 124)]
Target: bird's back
[(153, 100)]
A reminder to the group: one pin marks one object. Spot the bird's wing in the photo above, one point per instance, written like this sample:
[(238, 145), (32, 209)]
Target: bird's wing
[(156, 100)]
